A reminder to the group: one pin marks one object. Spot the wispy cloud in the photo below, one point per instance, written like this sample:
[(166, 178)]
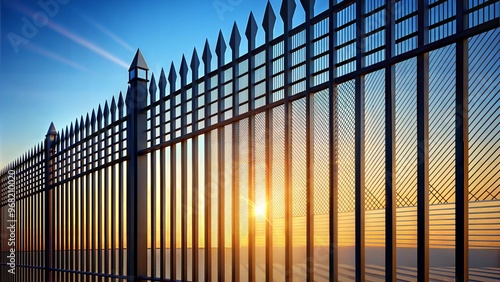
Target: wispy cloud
[(48, 54), (87, 44), (74, 37), (109, 33)]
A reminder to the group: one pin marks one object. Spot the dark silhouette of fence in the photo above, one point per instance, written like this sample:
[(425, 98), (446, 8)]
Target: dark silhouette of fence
[(359, 144)]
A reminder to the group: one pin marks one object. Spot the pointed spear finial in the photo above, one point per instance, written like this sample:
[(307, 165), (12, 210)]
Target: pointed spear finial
[(220, 49), (67, 133), (251, 31), (162, 83), (152, 89), (184, 67), (99, 114), (172, 76), (77, 126), (113, 106), (269, 21), (93, 119), (71, 130), (308, 6), (106, 113), (120, 101), (63, 134), (287, 10), (195, 61), (206, 56), (87, 122), (82, 124), (235, 41)]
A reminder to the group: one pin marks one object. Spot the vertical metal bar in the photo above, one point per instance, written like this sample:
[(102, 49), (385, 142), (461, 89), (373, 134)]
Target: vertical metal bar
[(360, 179), (106, 186), (360, 145), (173, 182), (72, 209), (152, 167), (221, 47), (60, 212), (208, 169), (235, 181), (309, 11), (390, 148), (162, 84), (99, 191), (332, 146), (88, 186), (93, 190), (195, 235), (184, 176), (76, 212), (251, 161), (462, 150), (269, 26), (113, 188), (67, 188), (195, 173), (423, 147), (287, 25), (38, 214), (82, 198), (120, 187)]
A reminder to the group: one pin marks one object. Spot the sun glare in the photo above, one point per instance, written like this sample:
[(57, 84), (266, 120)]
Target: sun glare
[(260, 209)]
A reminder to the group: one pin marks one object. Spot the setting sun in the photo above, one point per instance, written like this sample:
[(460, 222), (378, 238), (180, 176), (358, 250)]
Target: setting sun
[(260, 209)]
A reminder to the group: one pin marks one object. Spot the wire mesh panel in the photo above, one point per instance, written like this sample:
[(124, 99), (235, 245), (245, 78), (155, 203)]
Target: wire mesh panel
[(260, 201), (244, 203), (406, 164), (228, 204), (321, 193), (298, 130), (441, 156), (345, 144), (484, 132), (375, 170), (277, 205)]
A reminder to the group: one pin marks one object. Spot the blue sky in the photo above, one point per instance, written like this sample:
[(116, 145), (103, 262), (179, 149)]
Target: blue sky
[(60, 58)]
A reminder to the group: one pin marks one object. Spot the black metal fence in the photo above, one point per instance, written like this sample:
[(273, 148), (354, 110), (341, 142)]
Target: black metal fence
[(359, 145)]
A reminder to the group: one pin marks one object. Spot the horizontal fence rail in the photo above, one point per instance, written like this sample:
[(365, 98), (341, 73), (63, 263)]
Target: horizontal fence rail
[(358, 145)]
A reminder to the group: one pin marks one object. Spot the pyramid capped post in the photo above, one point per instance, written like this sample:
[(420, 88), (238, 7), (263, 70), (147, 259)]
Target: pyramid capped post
[(52, 132), (138, 68)]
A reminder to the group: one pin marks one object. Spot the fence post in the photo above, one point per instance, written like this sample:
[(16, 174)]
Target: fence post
[(49, 205), (137, 170)]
